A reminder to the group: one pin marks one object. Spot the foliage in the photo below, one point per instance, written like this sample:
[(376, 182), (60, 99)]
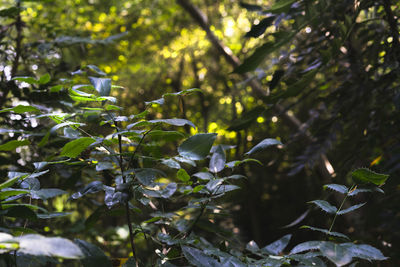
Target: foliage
[(92, 162)]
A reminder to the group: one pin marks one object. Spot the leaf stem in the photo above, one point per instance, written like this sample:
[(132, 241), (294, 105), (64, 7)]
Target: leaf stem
[(341, 206)]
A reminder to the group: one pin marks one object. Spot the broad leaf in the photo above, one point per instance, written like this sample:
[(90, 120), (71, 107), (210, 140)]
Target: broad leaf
[(91, 188), (44, 79), (76, 147), (325, 206), (197, 146), (175, 122), (336, 253), (13, 144), (366, 252), (365, 175), (94, 256), (306, 246), (20, 109), (47, 193), (102, 85), (218, 159), (278, 246), (263, 145), (198, 258), (258, 29), (49, 246), (204, 175), (183, 175)]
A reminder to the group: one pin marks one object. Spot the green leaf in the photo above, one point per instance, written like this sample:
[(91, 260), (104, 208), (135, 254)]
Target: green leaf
[(94, 256), (233, 164), (365, 252), (44, 79), (278, 246), (365, 175), (280, 6), (325, 206), (250, 7), (350, 209), (22, 212), (146, 176), (175, 122), (169, 136), (305, 246), (5, 193), (337, 187), (13, 144), (197, 146), (12, 181), (20, 109), (263, 145), (198, 258), (325, 231), (183, 175), (102, 85), (48, 246), (198, 188), (76, 147), (96, 69), (171, 163), (336, 253), (258, 29), (47, 193), (56, 88), (11, 12), (29, 80), (218, 159)]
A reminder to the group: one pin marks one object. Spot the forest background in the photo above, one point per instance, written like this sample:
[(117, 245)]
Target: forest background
[(321, 78)]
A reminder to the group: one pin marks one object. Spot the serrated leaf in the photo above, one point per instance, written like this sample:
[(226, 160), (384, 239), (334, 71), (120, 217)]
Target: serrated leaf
[(350, 209), (363, 251), (198, 258), (13, 144), (20, 109), (337, 187), (325, 206), (306, 246), (218, 159), (278, 246), (197, 146), (76, 147), (365, 175), (183, 175), (101, 85), (325, 231), (263, 145)]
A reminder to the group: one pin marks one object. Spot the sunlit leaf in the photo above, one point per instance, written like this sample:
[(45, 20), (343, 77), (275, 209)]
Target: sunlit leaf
[(20, 109), (102, 85), (365, 175), (263, 145), (218, 159), (183, 175), (76, 147), (197, 146), (13, 144)]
